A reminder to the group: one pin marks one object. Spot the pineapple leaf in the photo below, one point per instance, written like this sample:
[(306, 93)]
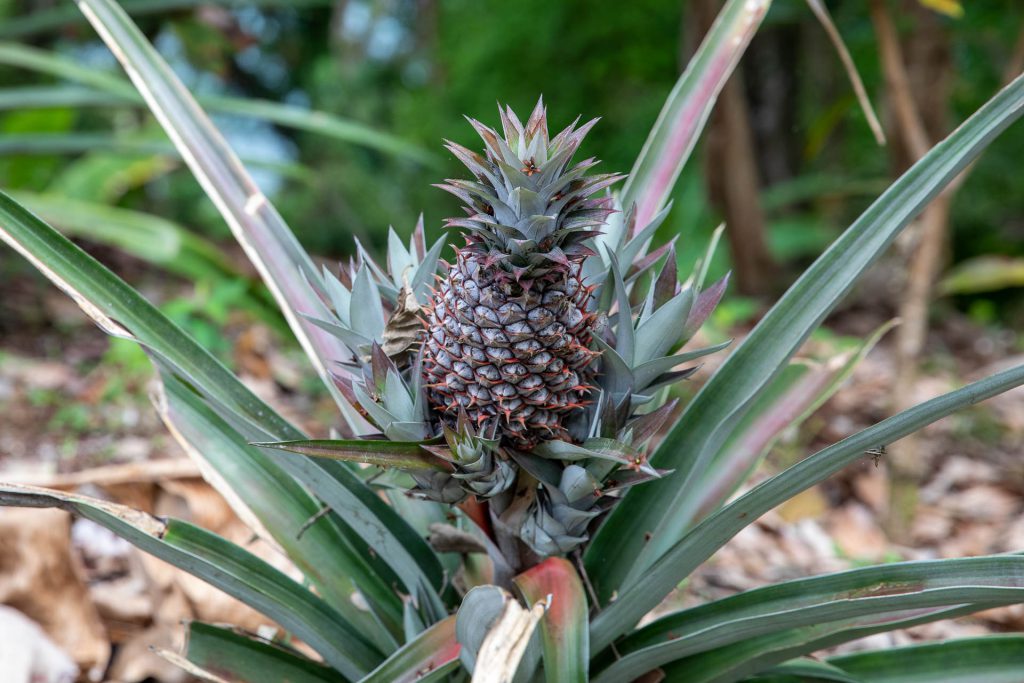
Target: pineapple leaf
[(638, 597), (839, 600), (120, 310), (790, 399), (247, 658), (224, 565), (563, 630), (625, 340), (480, 611), (403, 455), (656, 335), (431, 655), (688, 107), (274, 505), (664, 509), (367, 312), (993, 659), (269, 243), (646, 373)]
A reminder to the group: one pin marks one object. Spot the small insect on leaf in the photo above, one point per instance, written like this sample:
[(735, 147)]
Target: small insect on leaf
[(876, 453)]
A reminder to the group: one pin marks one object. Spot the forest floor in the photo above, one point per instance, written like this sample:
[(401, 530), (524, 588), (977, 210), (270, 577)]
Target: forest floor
[(76, 414)]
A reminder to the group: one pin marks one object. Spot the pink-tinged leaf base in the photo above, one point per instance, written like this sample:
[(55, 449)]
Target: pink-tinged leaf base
[(564, 629), (689, 107)]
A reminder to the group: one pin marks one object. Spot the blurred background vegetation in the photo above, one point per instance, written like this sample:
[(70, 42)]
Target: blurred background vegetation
[(789, 159)]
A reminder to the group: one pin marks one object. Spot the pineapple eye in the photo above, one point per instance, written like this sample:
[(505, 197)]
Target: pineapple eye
[(530, 167)]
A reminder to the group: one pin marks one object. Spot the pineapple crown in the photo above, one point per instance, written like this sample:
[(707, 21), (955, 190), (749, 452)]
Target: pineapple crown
[(528, 207)]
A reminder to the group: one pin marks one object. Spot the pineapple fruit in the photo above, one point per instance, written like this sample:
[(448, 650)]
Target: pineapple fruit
[(509, 332)]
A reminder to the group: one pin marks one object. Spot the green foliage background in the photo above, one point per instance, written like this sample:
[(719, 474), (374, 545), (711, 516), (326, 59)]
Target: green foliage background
[(414, 68)]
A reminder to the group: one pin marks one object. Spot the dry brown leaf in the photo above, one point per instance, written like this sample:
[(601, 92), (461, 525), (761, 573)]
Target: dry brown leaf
[(857, 533), (28, 655), (41, 577), (404, 327), (506, 642)]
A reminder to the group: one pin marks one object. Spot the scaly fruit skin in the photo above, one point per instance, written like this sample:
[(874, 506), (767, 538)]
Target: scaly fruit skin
[(509, 328), (511, 354)]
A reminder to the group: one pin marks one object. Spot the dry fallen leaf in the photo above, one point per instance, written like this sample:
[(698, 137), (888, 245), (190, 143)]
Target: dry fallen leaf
[(41, 577), (28, 655)]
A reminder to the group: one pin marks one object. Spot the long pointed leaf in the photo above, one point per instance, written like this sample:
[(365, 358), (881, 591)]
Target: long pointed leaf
[(122, 312), (993, 659), (790, 399), (715, 531), (406, 455), (249, 660), (432, 650), (224, 565), (260, 489), (114, 90), (850, 595), (662, 511), (688, 107)]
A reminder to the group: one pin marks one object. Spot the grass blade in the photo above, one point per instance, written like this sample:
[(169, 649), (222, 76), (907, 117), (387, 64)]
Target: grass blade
[(237, 572), (711, 534), (662, 510)]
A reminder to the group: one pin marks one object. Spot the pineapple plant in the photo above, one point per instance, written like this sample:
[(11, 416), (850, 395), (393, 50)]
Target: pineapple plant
[(511, 490), (536, 369)]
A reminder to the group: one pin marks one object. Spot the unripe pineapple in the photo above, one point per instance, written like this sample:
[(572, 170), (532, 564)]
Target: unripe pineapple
[(509, 331)]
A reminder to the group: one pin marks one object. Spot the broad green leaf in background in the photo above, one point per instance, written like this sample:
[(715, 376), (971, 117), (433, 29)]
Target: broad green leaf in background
[(839, 599), (107, 89), (434, 651), (84, 143), (653, 517), (984, 274), (248, 659), (704, 539), (563, 630), (145, 236), (59, 16), (237, 572), (688, 107)]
